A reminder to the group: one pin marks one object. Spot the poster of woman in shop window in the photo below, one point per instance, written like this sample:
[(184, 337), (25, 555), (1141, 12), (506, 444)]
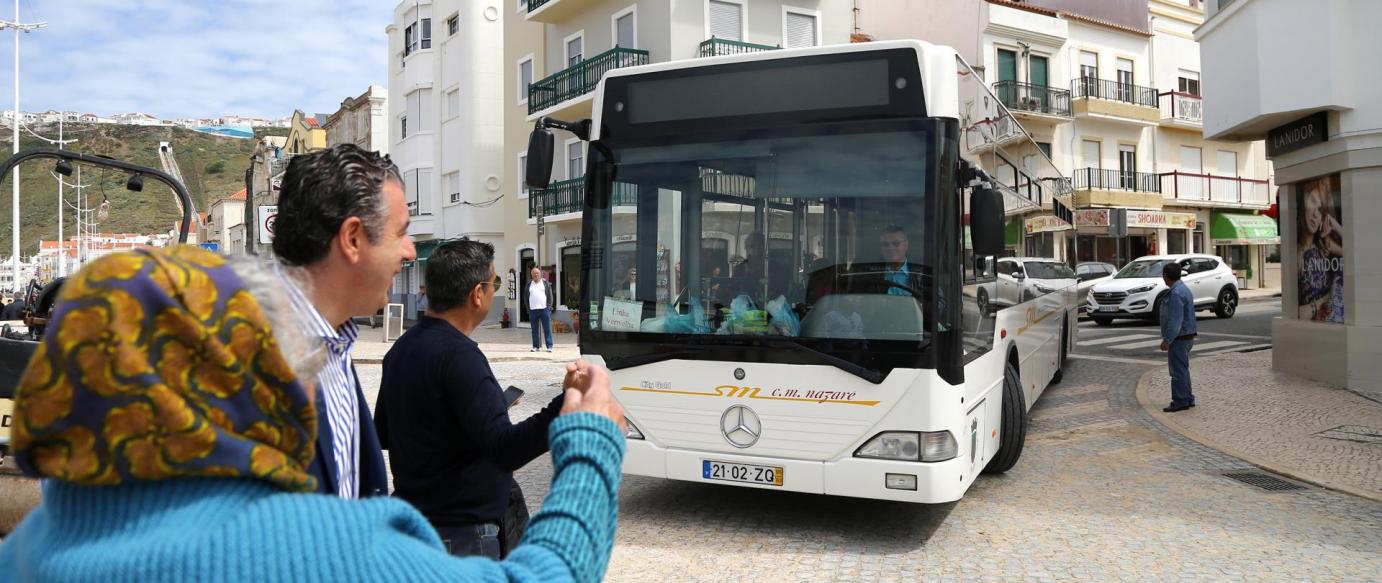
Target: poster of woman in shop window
[(1320, 250)]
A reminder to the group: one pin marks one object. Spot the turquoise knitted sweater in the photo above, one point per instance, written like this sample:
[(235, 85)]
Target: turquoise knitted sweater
[(203, 529)]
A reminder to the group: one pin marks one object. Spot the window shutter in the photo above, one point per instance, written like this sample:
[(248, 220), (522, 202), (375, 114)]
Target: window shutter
[(424, 191), (801, 30), (726, 20), (624, 31)]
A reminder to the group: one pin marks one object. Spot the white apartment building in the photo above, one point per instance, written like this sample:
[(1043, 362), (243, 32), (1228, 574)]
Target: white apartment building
[(1302, 75), (446, 125), (222, 221), (555, 52), (1110, 91)]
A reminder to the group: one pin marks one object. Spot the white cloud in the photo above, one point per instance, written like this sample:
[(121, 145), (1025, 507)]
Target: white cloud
[(197, 58)]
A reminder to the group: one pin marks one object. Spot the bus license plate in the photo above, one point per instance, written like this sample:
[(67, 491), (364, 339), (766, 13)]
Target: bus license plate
[(753, 474), (1108, 308)]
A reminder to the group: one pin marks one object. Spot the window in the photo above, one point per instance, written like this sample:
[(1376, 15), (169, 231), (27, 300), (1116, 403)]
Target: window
[(1007, 65), (1045, 148), (525, 78), (453, 186), (575, 49), (1089, 65), (418, 101), (1188, 82), (426, 33), (725, 20), (1228, 163), (1127, 167), (1190, 160), (626, 27), (575, 159), (1039, 73), (523, 175), (1125, 80), (570, 292), (1089, 154), (422, 184), (403, 127), (453, 25), (410, 191), (417, 35), (453, 103), (799, 28)]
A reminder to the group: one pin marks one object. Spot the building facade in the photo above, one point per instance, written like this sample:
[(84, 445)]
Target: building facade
[(362, 121), (556, 51), (305, 133), (1110, 91), (1295, 74), (446, 126), (225, 215)]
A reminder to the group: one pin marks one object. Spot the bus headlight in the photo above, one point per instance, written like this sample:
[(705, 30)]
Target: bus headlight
[(632, 432), (928, 446)]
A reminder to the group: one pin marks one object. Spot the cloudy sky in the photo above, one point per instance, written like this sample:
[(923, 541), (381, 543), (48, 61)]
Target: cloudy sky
[(202, 58)]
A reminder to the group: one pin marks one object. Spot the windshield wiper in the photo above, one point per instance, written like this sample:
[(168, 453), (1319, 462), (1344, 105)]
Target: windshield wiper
[(871, 375)]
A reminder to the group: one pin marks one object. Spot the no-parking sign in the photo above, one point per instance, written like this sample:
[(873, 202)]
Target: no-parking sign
[(268, 214)]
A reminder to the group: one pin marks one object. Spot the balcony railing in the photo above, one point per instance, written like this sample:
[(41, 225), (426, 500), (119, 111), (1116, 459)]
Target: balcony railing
[(719, 47), (1181, 106), (1207, 188), (533, 5), (581, 78), (568, 196), (1113, 90), (1034, 98), (1095, 178)]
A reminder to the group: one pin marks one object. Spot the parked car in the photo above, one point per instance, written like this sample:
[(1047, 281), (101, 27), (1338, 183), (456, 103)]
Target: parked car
[(1089, 274), (1019, 279), (1137, 289)]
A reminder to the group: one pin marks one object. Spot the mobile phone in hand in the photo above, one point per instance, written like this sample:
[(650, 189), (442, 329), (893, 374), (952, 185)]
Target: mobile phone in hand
[(511, 395)]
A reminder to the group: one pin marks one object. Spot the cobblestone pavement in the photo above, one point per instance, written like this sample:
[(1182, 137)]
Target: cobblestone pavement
[(1324, 435), (1102, 492)]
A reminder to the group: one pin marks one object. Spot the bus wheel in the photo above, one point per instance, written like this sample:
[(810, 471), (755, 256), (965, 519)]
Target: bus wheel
[(1060, 364), (1013, 426)]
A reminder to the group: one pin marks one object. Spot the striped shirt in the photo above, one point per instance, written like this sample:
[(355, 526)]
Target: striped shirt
[(337, 383)]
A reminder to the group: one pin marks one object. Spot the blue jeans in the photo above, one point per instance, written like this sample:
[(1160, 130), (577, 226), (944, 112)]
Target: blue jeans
[(1179, 360), (471, 540), (545, 317)]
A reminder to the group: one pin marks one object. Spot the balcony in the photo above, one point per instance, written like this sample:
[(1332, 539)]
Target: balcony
[(581, 78), (1115, 188), (719, 47), (1101, 98), (1034, 101), (557, 11), (1191, 189), (568, 196), (1181, 110)]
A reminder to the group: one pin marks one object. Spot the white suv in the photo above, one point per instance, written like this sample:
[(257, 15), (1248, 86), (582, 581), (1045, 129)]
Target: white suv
[(1137, 289)]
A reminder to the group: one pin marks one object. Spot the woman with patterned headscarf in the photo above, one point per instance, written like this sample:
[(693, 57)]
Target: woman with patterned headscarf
[(165, 411)]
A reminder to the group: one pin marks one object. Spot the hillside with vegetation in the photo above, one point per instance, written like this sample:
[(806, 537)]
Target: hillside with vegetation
[(213, 167)]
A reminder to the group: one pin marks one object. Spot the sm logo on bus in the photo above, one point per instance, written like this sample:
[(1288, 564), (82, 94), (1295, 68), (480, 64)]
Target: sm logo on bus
[(740, 392)]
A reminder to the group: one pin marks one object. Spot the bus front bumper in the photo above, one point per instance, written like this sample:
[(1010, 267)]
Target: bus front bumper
[(936, 482)]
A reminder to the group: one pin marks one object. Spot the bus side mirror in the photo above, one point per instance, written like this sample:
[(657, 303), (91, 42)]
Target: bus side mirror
[(985, 221), (540, 145)]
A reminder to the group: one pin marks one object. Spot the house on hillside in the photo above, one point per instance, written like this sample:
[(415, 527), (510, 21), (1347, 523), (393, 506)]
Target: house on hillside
[(226, 214)]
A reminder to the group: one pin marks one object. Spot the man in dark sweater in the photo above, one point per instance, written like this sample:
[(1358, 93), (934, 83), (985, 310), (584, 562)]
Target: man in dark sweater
[(443, 417)]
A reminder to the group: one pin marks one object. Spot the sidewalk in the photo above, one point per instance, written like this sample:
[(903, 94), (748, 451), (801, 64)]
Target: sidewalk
[(1250, 295), (1327, 436), (499, 345)]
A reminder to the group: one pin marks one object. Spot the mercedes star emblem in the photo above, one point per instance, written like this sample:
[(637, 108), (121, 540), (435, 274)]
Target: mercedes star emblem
[(740, 426), (739, 374)]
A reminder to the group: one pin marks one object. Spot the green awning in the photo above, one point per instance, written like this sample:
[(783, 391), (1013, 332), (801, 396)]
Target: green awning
[(1241, 229), (1013, 234), (424, 249)]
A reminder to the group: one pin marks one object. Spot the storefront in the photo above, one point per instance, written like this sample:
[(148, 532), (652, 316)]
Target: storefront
[(1149, 233), (1045, 237), (1246, 242)]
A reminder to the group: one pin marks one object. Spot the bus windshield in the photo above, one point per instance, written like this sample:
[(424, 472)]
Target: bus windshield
[(814, 232)]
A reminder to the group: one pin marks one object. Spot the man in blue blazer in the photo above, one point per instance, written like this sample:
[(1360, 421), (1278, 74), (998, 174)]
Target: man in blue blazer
[(341, 235), (1178, 336)]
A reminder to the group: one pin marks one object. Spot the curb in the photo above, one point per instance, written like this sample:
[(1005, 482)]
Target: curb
[(1165, 420)]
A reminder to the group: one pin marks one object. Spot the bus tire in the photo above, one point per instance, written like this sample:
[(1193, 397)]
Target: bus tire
[(1064, 353), (1013, 426)]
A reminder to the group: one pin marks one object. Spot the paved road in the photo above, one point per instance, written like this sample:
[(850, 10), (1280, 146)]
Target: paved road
[(1249, 329), (1102, 492)]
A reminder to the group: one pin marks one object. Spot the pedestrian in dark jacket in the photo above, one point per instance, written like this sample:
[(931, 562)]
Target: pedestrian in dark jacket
[(443, 416)]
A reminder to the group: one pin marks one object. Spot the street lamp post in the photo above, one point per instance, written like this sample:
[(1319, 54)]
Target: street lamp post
[(14, 236)]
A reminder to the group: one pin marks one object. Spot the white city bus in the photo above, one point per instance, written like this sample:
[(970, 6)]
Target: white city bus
[(811, 230)]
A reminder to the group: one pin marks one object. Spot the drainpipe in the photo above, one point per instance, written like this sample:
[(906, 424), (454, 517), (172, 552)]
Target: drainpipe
[(1151, 78)]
